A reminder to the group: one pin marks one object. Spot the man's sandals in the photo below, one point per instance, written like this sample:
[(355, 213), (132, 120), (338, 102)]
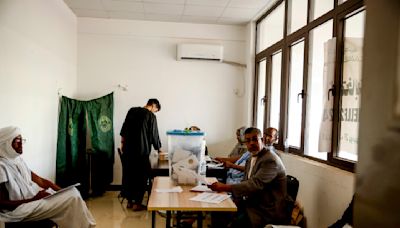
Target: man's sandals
[(136, 206)]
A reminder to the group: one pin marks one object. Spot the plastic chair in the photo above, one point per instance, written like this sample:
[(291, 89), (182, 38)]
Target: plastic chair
[(292, 186)]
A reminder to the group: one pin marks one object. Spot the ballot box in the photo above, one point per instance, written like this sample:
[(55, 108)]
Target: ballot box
[(186, 156)]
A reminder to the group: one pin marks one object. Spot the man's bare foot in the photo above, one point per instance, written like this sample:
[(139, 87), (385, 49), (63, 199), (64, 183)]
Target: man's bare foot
[(129, 205), (138, 207)]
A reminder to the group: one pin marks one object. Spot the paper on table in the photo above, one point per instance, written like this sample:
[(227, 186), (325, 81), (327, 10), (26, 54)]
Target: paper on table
[(215, 165), (203, 180), (208, 197), (201, 188), (174, 189)]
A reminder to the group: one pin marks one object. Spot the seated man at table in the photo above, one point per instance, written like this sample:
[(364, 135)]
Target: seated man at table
[(270, 137), (235, 164), (22, 191), (240, 147), (263, 190)]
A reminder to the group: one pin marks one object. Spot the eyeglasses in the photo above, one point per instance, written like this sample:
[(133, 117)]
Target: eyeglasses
[(253, 139), (270, 135), (19, 140)]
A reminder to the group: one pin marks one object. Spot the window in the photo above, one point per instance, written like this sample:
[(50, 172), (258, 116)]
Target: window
[(320, 7), (270, 30), (276, 90), (261, 94), (309, 78), (350, 95), (296, 94), (297, 15), (269, 91), (319, 129)]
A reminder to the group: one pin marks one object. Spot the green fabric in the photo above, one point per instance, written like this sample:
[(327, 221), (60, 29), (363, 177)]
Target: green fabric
[(71, 144), (74, 164), (100, 124), (100, 116)]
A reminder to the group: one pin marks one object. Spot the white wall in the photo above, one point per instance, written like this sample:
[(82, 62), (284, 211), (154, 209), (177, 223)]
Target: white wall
[(324, 191), (142, 56), (37, 56)]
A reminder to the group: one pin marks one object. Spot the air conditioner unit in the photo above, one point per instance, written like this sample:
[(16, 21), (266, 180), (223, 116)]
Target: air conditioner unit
[(200, 52)]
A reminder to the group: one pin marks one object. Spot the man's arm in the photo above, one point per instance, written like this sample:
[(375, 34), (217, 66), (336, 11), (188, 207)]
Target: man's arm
[(229, 164), (124, 129), (230, 159), (154, 134), (220, 187), (7, 204), (43, 183)]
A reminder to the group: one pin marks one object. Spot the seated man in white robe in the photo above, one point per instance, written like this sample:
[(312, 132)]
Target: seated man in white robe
[(22, 192)]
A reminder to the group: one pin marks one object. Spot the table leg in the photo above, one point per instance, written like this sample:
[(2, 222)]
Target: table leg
[(178, 218), (168, 222), (153, 219), (199, 219)]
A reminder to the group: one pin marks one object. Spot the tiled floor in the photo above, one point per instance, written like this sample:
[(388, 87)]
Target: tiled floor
[(109, 213)]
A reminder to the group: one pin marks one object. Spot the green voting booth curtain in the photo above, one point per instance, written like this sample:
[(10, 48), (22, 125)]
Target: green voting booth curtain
[(100, 124), (82, 125), (71, 144)]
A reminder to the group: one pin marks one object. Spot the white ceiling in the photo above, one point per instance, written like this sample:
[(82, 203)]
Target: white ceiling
[(231, 12)]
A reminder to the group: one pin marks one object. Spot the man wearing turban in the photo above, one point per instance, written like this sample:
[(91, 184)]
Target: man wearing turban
[(25, 196)]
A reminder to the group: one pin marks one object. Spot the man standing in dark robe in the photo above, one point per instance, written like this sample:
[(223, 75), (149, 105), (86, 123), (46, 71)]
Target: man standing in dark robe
[(138, 133)]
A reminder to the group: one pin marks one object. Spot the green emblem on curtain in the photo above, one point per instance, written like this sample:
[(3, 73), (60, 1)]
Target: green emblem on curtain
[(105, 123), (70, 127)]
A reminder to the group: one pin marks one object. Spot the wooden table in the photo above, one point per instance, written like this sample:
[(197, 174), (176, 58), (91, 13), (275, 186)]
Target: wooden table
[(160, 168), (181, 201)]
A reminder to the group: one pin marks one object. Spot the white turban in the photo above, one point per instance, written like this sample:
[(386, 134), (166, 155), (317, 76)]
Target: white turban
[(241, 134), (7, 135)]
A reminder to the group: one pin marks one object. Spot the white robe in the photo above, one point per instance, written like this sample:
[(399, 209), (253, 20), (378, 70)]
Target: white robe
[(67, 208)]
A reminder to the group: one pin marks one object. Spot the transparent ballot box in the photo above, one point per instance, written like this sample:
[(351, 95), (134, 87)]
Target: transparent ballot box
[(186, 155)]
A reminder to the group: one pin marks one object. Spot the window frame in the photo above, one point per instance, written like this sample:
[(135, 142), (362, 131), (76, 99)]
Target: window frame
[(338, 15)]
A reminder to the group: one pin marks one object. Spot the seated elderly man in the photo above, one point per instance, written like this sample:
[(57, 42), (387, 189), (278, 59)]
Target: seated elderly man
[(240, 147), (270, 137), (22, 191), (263, 190), (235, 163)]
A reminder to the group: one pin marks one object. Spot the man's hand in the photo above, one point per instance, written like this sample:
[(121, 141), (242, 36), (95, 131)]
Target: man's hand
[(228, 164), (219, 159), (220, 187), (41, 195)]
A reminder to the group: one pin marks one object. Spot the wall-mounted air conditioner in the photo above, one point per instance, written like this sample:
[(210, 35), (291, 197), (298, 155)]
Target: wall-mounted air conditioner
[(200, 52)]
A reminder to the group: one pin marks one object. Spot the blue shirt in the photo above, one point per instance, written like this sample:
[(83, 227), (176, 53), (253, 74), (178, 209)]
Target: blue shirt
[(235, 176)]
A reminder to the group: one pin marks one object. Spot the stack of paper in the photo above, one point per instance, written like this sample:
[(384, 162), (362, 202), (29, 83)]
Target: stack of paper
[(210, 197), (61, 190), (201, 188)]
